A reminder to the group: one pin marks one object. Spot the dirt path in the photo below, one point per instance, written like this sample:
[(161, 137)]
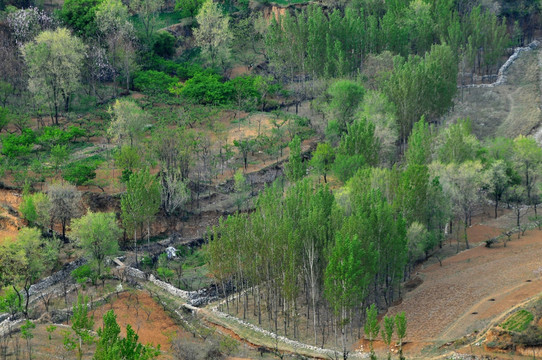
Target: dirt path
[(472, 288)]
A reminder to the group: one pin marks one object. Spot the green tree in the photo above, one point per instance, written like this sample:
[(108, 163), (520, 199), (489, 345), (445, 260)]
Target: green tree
[(346, 96), (371, 328), (323, 159), (387, 332), (25, 261), (401, 326), (147, 11), (457, 143), (110, 346), (82, 324), (241, 189), (97, 234), (26, 333), (188, 8), (80, 15), (463, 184), (213, 35), (245, 146), (59, 156), (345, 280), (128, 159), (527, 160), (128, 122), (296, 168), (54, 60), (140, 202), (497, 181)]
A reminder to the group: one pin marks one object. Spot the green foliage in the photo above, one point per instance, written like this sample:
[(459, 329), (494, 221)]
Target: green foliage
[(371, 328), (358, 148), (401, 326), (10, 302), (205, 89), (97, 234), (296, 168), (85, 273), (14, 145), (164, 44), (141, 201), (59, 155), (153, 82), (52, 135), (79, 173), (128, 159), (26, 330), (345, 276), (183, 71), (5, 116), (54, 60), (346, 95), (458, 144), (519, 321), (322, 159), (35, 209), (110, 346), (188, 8), (80, 15), (387, 332), (165, 273)]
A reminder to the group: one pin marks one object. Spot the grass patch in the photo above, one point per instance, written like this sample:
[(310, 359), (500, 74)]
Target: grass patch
[(518, 321)]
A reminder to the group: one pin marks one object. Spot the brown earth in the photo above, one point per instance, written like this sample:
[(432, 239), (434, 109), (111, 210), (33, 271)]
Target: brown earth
[(472, 288), (147, 318)]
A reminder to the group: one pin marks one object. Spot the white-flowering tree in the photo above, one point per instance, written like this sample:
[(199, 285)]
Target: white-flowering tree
[(54, 61)]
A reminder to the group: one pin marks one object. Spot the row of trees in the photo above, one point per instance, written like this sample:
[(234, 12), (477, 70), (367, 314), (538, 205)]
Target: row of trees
[(336, 44)]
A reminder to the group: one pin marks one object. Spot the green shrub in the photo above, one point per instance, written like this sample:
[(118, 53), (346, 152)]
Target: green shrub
[(164, 44), (206, 89), (52, 135), (188, 8), (153, 82), (183, 70), (84, 273), (14, 145), (165, 273), (80, 173)]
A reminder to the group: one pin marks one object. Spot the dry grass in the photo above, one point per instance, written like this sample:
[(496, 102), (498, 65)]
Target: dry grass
[(507, 110)]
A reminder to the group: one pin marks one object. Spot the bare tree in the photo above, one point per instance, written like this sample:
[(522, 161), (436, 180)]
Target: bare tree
[(65, 202)]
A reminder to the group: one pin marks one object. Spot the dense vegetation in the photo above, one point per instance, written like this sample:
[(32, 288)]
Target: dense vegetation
[(385, 182)]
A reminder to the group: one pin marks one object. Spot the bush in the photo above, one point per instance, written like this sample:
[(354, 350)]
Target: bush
[(83, 274), (153, 82), (52, 136), (188, 8), (183, 71), (164, 44), (79, 174), (206, 89), (14, 145), (165, 273)]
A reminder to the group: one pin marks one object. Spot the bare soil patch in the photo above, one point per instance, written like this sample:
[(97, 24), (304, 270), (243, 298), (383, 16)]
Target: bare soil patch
[(472, 288), (147, 318)]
